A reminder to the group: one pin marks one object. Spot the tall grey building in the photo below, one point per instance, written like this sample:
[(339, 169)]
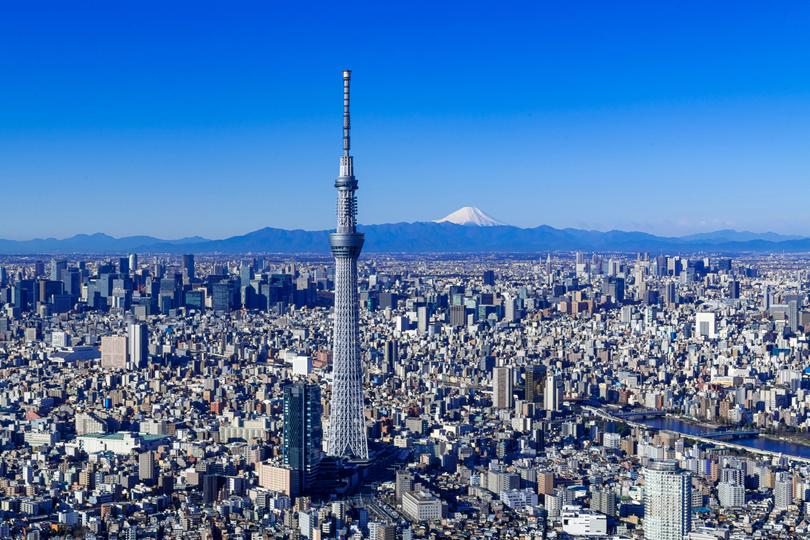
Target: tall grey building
[(667, 501), (782, 491), (347, 428), (138, 338), (502, 387)]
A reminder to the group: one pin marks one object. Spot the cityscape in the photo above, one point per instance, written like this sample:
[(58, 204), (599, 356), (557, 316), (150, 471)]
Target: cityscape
[(464, 377)]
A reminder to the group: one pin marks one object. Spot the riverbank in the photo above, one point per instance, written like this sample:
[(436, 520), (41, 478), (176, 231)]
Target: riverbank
[(795, 438)]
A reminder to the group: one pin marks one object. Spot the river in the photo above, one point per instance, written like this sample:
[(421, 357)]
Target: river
[(761, 443)]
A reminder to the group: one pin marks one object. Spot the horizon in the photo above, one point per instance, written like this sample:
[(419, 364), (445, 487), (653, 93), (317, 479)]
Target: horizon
[(442, 220), (666, 120)]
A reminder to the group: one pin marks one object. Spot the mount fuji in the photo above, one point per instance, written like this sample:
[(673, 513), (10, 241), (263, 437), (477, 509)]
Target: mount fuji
[(471, 216)]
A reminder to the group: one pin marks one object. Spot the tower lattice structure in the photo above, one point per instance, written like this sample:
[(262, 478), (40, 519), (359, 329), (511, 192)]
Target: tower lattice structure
[(347, 428)]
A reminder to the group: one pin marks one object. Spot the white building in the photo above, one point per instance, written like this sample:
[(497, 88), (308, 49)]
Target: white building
[(782, 491), (121, 443), (421, 506), (238, 428), (114, 352), (553, 393), (705, 324), (519, 499), (301, 365), (60, 339), (579, 522), (612, 440), (731, 495), (667, 501)]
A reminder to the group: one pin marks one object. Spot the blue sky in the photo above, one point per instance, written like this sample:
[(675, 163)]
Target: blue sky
[(213, 119)]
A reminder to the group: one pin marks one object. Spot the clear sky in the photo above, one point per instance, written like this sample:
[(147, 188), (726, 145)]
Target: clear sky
[(213, 119)]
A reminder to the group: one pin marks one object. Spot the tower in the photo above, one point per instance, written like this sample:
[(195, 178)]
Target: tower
[(347, 428)]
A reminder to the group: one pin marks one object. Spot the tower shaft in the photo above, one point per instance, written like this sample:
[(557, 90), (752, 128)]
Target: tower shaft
[(347, 428)]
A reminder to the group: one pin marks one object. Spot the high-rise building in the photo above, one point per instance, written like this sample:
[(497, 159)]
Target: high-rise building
[(138, 337), (731, 495), (553, 394), (390, 355), (146, 466), (188, 266), (57, 268), (114, 352), (381, 531), (123, 266), (604, 501), (422, 319), (133, 262), (458, 315), (404, 483), (347, 427), (535, 379), (782, 491), (667, 501), (502, 387), (303, 434), (706, 324)]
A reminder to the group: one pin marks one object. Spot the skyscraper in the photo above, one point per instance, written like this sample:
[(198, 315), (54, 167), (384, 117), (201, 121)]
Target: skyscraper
[(347, 428), (553, 393), (502, 387), (535, 378), (302, 434), (782, 491), (146, 466), (138, 337), (667, 501), (188, 266), (114, 352)]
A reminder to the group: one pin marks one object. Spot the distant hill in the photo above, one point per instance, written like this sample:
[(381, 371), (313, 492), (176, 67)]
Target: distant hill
[(419, 237), (729, 235)]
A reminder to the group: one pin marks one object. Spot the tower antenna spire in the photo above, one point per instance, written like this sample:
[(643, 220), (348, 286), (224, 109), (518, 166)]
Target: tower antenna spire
[(347, 79)]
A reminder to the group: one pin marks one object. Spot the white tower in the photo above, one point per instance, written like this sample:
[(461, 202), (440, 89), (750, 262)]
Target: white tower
[(347, 426)]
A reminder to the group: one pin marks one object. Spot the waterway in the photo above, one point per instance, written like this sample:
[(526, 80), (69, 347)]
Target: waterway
[(761, 443)]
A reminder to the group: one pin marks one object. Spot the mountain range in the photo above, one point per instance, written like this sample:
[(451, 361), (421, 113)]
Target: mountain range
[(467, 230)]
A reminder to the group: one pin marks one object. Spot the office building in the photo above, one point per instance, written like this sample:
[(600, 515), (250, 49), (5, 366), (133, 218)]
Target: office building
[(147, 470), (421, 506), (114, 352), (705, 324), (502, 387), (302, 434), (188, 267), (553, 393), (138, 337), (535, 383), (404, 483)]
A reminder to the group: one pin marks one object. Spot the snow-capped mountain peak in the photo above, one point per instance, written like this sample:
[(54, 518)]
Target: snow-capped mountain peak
[(470, 215)]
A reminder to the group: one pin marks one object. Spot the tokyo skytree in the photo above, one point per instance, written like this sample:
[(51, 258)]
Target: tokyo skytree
[(347, 427)]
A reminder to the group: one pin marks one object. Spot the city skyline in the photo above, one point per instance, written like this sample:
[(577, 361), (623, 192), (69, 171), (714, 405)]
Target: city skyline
[(571, 300), (670, 120)]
